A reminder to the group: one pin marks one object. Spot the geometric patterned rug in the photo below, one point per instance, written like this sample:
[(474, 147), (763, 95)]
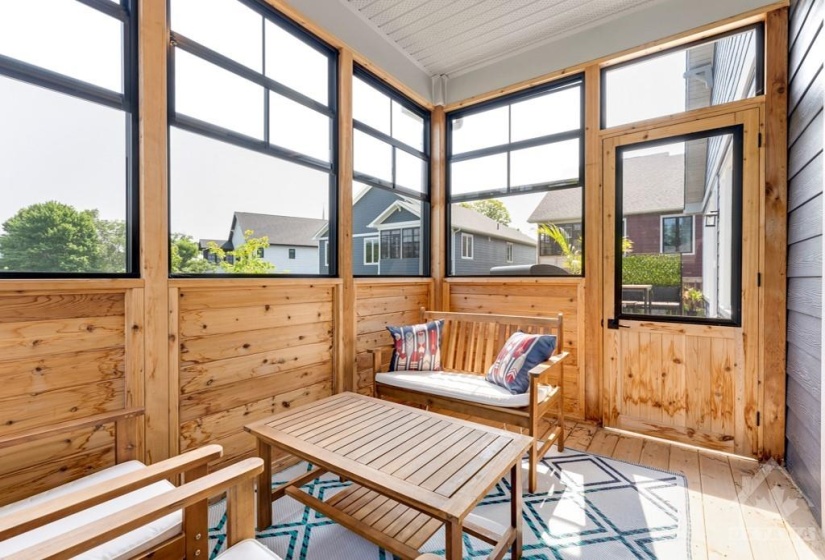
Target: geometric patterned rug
[(586, 507)]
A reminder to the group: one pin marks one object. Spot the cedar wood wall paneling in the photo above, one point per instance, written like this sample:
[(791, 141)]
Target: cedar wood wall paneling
[(805, 247), (62, 357), (247, 353)]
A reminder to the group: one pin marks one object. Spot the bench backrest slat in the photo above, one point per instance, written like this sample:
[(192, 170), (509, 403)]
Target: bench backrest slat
[(471, 341)]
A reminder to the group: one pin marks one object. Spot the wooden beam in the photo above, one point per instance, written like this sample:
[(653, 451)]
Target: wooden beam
[(154, 226), (438, 201), (590, 346), (345, 329), (774, 281)]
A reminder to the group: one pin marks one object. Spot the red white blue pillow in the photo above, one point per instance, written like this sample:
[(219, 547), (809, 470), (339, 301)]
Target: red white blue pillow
[(417, 347), (521, 353)]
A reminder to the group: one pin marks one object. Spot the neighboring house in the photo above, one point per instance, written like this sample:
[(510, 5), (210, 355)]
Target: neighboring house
[(657, 218), (387, 239), (293, 247)]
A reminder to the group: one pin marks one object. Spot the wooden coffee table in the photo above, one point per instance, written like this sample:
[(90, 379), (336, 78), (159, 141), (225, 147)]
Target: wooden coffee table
[(413, 471)]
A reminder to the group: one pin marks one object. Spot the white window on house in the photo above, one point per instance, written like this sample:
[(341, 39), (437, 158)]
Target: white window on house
[(509, 252), (466, 246), (677, 234), (372, 251), (326, 253), (292, 253)]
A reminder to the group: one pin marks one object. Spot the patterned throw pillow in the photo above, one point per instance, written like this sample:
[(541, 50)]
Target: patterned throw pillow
[(417, 347), (521, 353)]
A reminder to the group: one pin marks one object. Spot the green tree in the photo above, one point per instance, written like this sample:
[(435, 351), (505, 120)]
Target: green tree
[(246, 259), (51, 237), (492, 208), (185, 256), (112, 237)]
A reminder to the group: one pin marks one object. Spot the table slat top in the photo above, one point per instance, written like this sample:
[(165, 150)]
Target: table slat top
[(440, 464)]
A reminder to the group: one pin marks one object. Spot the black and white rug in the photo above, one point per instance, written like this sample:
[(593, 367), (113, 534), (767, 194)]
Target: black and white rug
[(587, 507)]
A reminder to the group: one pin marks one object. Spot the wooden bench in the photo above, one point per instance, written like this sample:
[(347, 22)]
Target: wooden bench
[(469, 346), (236, 480), (176, 536)]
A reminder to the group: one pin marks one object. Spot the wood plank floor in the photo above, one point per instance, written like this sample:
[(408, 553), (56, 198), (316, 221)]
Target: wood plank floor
[(738, 508)]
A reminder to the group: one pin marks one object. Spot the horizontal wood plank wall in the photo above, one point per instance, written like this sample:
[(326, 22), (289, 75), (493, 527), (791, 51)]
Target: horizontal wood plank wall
[(804, 365), (246, 353), (62, 357), (539, 297), (378, 305)]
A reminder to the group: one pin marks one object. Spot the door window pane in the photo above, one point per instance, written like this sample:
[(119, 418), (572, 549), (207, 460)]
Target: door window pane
[(65, 37), (681, 214)]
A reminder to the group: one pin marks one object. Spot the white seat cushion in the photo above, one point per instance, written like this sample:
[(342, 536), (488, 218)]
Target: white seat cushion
[(463, 386), (125, 546), (248, 549)]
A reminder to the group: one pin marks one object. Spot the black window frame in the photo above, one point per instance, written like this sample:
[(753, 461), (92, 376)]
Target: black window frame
[(759, 63), (125, 11), (215, 132), (508, 148), (737, 147), (374, 182)]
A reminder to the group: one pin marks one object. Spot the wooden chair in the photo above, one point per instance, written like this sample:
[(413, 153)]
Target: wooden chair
[(236, 480), (470, 344)]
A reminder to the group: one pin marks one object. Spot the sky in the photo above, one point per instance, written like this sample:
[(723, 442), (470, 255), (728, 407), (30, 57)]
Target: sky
[(58, 147)]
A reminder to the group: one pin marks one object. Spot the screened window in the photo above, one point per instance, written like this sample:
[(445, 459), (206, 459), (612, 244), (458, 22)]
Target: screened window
[(515, 171), (68, 139), (391, 195), (677, 234), (710, 72), (252, 162)]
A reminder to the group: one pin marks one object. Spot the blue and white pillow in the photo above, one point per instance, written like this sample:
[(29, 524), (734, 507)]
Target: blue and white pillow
[(521, 353), (417, 347)]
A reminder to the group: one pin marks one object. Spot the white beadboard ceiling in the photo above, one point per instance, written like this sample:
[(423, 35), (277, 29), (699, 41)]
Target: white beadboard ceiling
[(453, 37)]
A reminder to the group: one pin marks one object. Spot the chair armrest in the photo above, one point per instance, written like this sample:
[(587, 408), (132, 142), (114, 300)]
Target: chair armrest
[(429, 556), (240, 509), (552, 362), (38, 515)]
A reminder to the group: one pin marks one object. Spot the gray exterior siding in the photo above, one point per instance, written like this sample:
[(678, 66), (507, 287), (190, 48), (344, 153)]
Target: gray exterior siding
[(487, 253), (804, 358)]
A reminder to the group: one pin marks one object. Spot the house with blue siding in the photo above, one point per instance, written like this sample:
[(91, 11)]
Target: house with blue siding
[(387, 239)]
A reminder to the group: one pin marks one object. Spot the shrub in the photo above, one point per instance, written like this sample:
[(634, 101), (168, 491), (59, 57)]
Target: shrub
[(658, 270)]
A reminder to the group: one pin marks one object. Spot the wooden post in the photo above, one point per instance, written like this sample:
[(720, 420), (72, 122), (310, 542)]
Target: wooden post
[(438, 201), (345, 370), (154, 226), (590, 349), (774, 281)]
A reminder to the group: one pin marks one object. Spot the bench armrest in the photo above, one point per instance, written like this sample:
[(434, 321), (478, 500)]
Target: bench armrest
[(552, 362), (38, 515), (377, 358), (237, 479)]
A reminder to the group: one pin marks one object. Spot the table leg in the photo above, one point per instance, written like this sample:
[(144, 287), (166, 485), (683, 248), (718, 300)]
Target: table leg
[(515, 508), (265, 487), (455, 549)]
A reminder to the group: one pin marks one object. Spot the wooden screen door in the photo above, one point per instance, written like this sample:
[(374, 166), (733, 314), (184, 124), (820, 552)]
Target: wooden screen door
[(681, 224)]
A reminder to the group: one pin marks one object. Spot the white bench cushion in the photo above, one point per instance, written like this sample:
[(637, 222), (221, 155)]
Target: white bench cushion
[(456, 385), (248, 549), (125, 546)]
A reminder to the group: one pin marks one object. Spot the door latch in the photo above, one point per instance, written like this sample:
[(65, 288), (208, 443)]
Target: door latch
[(613, 324)]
